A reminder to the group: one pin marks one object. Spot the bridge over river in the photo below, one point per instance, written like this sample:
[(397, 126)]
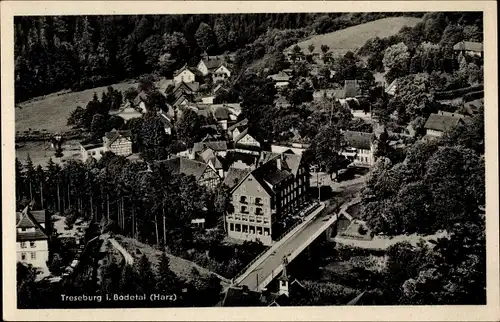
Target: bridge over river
[(269, 265)]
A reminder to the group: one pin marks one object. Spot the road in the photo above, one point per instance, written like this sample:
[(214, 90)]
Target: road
[(129, 260), (265, 269)]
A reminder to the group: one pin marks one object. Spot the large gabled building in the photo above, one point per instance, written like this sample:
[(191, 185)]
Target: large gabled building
[(264, 194), (32, 241)]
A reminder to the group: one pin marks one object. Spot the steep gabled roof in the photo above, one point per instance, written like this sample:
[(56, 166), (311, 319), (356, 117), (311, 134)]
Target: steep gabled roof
[(280, 77), (214, 145), (213, 64), (193, 70), (235, 176), (442, 122), (185, 166), (114, 135), (235, 156), (359, 140), (25, 219)]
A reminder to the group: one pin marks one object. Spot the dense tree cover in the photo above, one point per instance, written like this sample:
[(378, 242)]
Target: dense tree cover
[(61, 52), (440, 183)]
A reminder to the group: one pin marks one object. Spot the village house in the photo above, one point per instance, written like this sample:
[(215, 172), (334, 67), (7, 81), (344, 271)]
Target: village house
[(441, 122), (244, 141), (32, 242), (220, 148), (92, 150), (469, 48), (240, 160), (209, 65), (118, 142), (221, 73), (265, 194), (391, 88), (214, 161), (203, 174), (234, 130), (360, 148), (281, 79), (187, 75)]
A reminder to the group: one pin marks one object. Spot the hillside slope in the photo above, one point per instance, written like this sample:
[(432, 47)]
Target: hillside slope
[(352, 38)]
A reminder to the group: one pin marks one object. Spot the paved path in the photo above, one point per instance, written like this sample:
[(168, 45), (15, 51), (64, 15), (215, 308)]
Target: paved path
[(129, 260), (266, 268)]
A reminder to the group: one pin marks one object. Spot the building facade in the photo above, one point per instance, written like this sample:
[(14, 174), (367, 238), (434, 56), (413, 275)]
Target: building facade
[(360, 148), (185, 75), (220, 74), (264, 195), (118, 142), (32, 245), (94, 150)]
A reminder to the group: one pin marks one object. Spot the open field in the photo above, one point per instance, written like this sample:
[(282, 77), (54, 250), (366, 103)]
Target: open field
[(40, 153), (51, 112), (350, 39)]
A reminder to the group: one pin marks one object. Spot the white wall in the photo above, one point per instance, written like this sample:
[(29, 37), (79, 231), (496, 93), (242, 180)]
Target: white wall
[(40, 249), (185, 76)]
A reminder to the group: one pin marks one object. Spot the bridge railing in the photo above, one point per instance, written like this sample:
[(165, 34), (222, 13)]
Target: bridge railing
[(307, 212)]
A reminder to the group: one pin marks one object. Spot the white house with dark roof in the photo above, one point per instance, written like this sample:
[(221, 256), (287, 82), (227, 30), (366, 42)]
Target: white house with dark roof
[(281, 79), (186, 75), (360, 148), (208, 65), (202, 172), (221, 73), (32, 245), (441, 122), (94, 150)]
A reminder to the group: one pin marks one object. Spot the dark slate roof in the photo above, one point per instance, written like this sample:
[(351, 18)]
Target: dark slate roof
[(187, 88), (234, 176), (141, 97), (358, 140), (185, 166), (273, 176), (235, 156), (442, 122), (240, 124), (26, 219), (193, 70), (214, 145), (39, 216), (213, 64), (469, 46), (209, 155)]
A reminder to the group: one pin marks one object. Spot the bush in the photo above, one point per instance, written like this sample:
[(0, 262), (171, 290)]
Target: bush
[(362, 230)]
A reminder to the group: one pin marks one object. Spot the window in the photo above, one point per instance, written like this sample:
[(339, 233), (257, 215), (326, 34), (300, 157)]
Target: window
[(258, 211), (32, 244), (23, 256), (258, 201), (244, 209), (243, 199), (33, 255), (231, 227), (245, 228), (238, 227), (259, 230), (266, 231), (23, 244)]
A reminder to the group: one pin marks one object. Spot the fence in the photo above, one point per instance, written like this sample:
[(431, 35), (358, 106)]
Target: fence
[(239, 277)]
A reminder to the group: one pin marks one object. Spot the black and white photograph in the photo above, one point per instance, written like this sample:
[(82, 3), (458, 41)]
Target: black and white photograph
[(267, 159)]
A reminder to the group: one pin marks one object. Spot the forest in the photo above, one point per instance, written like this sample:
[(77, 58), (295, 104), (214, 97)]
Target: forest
[(53, 53)]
